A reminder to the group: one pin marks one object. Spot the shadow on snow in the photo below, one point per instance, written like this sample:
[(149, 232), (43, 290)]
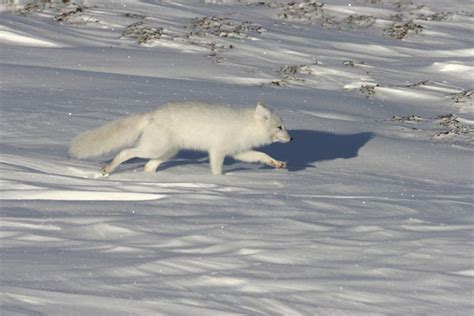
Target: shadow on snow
[(307, 148)]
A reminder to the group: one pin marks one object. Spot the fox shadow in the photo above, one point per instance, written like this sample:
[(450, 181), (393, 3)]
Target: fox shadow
[(307, 148)]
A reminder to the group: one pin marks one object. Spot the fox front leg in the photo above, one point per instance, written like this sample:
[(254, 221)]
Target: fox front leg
[(216, 160), (257, 156)]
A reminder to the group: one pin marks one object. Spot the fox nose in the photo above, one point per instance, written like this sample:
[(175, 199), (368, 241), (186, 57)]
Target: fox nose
[(291, 139)]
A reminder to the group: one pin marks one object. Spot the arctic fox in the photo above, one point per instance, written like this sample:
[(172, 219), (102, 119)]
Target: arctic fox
[(159, 135)]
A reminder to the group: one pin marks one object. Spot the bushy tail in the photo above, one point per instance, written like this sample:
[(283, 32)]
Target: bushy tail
[(109, 137)]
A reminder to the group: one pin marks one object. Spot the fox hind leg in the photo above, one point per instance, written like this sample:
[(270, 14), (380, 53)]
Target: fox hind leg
[(123, 156), (162, 153), (153, 164), (154, 144)]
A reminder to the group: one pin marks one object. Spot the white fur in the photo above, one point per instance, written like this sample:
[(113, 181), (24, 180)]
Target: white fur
[(159, 135)]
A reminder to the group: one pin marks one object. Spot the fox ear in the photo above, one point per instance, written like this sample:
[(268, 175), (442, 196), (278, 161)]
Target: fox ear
[(262, 112)]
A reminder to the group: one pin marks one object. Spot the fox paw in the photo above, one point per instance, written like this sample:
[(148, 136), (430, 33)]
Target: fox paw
[(278, 164), (104, 171)]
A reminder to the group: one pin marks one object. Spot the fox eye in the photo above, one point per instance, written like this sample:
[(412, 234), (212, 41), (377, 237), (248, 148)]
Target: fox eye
[(280, 127)]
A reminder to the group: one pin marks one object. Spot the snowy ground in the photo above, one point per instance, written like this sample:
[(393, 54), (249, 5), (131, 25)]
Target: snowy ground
[(374, 215)]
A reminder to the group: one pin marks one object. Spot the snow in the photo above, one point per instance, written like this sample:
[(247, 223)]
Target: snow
[(373, 215)]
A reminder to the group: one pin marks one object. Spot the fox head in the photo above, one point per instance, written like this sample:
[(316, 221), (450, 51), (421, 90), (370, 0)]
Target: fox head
[(272, 123)]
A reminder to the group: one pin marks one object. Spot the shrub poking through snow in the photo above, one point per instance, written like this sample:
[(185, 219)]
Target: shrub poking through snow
[(358, 21), (290, 74), (303, 12), (368, 90), (34, 7), (411, 118), (222, 27), (463, 96), (438, 17), (144, 34), (402, 30), (200, 29), (454, 127), (446, 128), (69, 14), (310, 11)]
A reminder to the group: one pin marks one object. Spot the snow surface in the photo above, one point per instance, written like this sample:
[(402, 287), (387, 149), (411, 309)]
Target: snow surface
[(374, 215)]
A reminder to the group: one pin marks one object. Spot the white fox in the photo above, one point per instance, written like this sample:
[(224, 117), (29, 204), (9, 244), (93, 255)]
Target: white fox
[(159, 135)]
